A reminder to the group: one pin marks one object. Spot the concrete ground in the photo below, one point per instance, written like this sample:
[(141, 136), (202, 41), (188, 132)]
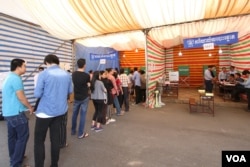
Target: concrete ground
[(168, 136)]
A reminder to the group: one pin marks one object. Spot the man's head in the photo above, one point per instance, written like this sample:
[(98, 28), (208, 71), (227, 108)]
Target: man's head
[(51, 59), (18, 66), (81, 63), (40, 69)]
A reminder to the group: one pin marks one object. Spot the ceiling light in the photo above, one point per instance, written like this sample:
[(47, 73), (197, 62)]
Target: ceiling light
[(220, 51), (180, 53)]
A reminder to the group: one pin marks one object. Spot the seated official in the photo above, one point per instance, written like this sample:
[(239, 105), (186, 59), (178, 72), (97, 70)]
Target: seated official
[(238, 88), (231, 79), (223, 74)]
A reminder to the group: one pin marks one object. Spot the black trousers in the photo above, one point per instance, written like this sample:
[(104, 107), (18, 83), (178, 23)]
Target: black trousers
[(41, 127), (137, 94), (63, 130), (209, 86), (98, 104)]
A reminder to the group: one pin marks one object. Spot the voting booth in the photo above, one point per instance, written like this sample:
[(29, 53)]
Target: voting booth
[(184, 79)]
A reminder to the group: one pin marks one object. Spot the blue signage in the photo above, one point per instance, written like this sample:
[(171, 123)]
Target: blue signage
[(110, 56), (223, 39)]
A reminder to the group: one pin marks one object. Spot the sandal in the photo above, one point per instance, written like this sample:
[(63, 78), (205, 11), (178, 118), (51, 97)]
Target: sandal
[(84, 135)]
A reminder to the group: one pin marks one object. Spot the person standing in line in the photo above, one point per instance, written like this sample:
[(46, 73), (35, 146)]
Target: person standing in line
[(53, 88), (107, 110), (98, 96), (137, 81), (114, 91), (14, 104), (209, 78), (81, 82), (132, 86), (126, 84), (40, 69), (90, 74), (119, 86), (143, 86)]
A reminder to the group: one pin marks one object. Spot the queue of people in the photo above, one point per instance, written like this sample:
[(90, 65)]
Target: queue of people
[(52, 87)]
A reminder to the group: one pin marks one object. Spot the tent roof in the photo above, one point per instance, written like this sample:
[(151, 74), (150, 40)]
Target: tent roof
[(170, 20)]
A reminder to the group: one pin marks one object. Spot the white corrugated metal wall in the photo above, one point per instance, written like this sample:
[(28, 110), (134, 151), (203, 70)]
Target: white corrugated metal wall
[(19, 39)]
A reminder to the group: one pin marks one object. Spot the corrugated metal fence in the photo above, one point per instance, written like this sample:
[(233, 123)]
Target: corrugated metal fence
[(19, 39)]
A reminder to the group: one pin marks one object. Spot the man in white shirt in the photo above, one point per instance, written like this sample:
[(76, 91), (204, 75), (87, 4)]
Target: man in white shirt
[(223, 74), (40, 69)]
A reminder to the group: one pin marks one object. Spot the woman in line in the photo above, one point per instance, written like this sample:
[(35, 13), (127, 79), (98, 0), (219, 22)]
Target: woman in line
[(98, 96)]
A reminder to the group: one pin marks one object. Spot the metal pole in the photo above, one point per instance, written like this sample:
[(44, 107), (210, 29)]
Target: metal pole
[(146, 31)]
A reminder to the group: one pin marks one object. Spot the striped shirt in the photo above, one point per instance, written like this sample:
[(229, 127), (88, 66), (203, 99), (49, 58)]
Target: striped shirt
[(124, 79)]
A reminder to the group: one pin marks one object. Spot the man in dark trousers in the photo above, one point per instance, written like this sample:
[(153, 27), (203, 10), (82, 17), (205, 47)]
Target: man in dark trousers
[(53, 88), (137, 81)]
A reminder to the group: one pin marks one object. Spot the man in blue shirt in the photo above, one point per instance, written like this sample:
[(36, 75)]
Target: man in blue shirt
[(14, 104), (53, 87), (137, 81)]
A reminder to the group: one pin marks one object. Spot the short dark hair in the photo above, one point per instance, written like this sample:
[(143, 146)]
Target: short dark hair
[(40, 68), (135, 68), (51, 59), (238, 74), (211, 66), (245, 72), (109, 69), (16, 63), (81, 62)]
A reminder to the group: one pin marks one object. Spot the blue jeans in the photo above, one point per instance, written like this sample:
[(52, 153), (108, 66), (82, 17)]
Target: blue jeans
[(18, 135), (82, 106), (117, 105)]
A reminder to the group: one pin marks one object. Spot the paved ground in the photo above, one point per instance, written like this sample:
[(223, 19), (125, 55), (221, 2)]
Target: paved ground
[(167, 136)]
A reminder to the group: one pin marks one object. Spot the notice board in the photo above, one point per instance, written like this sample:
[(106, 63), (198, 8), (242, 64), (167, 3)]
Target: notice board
[(183, 70)]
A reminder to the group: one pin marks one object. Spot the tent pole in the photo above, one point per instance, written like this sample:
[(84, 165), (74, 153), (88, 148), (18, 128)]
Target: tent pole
[(146, 31)]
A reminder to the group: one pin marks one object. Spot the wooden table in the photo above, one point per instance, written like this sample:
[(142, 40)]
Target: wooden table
[(227, 88)]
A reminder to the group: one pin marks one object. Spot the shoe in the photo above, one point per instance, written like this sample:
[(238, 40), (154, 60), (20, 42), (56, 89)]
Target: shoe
[(26, 166), (73, 133), (107, 122), (66, 145), (84, 135), (121, 113), (98, 129), (111, 120), (92, 127)]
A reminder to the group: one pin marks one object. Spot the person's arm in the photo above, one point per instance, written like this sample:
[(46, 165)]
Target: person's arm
[(220, 75), (24, 101)]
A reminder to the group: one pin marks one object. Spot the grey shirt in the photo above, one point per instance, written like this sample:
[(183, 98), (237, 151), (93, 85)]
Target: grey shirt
[(99, 92)]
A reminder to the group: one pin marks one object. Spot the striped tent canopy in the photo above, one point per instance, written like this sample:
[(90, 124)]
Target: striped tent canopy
[(119, 23)]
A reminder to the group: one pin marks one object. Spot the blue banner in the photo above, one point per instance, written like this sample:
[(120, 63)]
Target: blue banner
[(223, 39), (110, 56)]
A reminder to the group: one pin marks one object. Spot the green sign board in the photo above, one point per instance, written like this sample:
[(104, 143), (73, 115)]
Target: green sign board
[(126, 70), (183, 70)]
